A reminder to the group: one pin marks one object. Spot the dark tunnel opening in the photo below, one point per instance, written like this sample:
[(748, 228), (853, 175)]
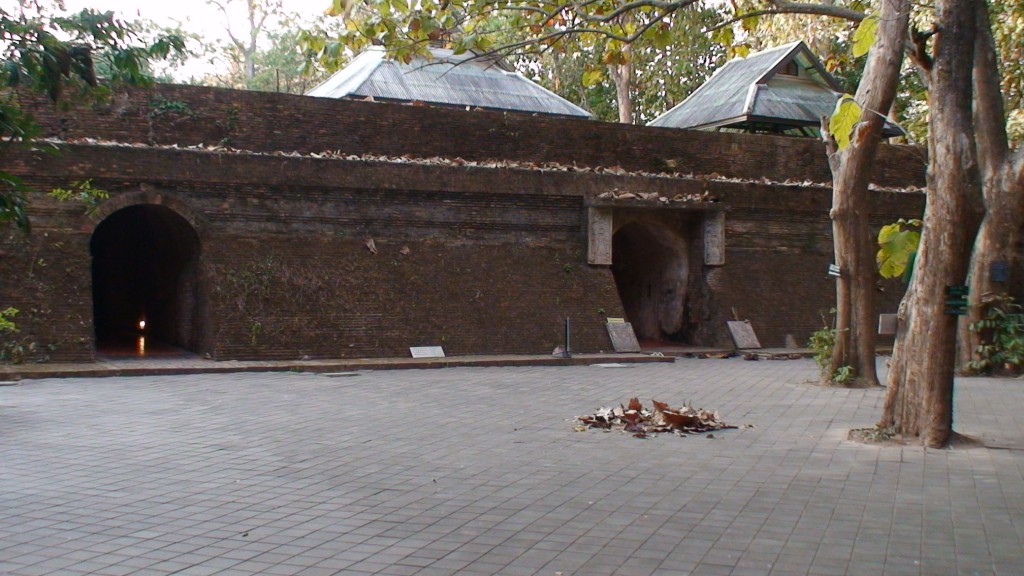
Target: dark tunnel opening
[(650, 267), (144, 270)]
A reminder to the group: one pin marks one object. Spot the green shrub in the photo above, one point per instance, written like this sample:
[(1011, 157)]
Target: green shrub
[(822, 342), (1002, 336)]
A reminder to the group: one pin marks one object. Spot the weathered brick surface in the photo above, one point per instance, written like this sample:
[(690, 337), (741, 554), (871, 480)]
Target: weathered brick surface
[(776, 272), (496, 257), (46, 277), (189, 115), (333, 298)]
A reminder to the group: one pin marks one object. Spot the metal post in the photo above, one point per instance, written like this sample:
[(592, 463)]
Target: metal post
[(568, 350)]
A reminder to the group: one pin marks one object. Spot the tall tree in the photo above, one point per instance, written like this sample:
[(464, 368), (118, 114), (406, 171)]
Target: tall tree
[(851, 198), (919, 401), (620, 70), (273, 58), (995, 264), (244, 43)]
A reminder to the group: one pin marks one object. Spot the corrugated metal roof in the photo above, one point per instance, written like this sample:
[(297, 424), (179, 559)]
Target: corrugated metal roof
[(447, 80), (757, 91), (793, 101)]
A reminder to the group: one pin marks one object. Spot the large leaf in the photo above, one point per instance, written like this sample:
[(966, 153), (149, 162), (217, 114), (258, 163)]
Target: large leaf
[(662, 37), (593, 77), (844, 119), (864, 36), (896, 242)]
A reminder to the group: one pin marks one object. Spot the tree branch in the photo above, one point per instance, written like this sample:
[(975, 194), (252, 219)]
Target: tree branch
[(665, 7), (825, 9), (554, 35), (920, 54), (831, 148), (239, 45), (792, 8)]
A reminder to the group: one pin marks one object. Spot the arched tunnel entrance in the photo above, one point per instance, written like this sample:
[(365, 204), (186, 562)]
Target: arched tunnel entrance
[(145, 281), (650, 263)]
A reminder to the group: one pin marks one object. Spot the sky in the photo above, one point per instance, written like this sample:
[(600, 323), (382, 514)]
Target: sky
[(196, 16)]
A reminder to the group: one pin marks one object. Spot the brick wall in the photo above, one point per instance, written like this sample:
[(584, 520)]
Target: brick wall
[(779, 247), (329, 297), (478, 261), (495, 257), (46, 276), (268, 122)]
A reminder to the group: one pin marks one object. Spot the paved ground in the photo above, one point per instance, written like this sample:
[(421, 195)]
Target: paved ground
[(479, 471), (183, 362)]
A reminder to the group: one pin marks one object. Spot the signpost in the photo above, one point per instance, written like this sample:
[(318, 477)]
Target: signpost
[(956, 300)]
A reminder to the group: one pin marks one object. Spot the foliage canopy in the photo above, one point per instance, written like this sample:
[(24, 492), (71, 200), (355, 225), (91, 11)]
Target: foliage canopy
[(59, 56)]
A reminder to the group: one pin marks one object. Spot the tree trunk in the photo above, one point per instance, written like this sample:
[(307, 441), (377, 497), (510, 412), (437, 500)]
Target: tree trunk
[(1002, 187), (852, 205), (997, 240), (255, 28), (855, 290), (622, 75), (919, 399)]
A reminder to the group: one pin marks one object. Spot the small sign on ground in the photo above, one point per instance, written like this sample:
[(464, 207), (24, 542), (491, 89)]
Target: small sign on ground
[(426, 351), (623, 337), (743, 334)]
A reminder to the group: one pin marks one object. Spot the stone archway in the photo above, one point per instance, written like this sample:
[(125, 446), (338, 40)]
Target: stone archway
[(145, 269), (650, 263)]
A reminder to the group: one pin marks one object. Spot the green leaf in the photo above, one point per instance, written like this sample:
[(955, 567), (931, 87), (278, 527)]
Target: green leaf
[(662, 37), (12, 73), (844, 118), (337, 8), (724, 36), (864, 36), (6, 320), (593, 77), (750, 24), (895, 245)]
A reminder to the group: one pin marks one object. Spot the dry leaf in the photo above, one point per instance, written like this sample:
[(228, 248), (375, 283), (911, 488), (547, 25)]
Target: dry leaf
[(642, 422)]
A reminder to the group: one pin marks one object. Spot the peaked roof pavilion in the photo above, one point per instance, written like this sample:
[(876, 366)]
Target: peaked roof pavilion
[(783, 90), (446, 80)]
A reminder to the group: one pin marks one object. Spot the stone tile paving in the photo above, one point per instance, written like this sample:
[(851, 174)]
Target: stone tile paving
[(478, 471)]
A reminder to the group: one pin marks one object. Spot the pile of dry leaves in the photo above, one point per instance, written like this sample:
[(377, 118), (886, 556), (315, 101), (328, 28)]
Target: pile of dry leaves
[(641, 421)]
